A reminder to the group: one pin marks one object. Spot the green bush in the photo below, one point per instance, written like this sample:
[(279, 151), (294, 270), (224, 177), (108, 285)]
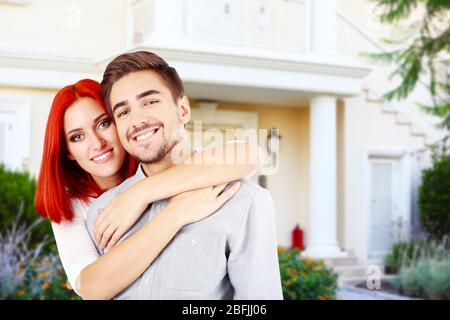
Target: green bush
[(434, 198), (404, 254), (305, 279), (429, 279), (17, 191), (423, 268)]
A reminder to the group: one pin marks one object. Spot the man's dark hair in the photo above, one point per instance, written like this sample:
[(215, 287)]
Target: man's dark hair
[(140, 61)]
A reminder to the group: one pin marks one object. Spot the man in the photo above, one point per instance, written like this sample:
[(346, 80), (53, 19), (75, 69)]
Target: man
[(229, 255)]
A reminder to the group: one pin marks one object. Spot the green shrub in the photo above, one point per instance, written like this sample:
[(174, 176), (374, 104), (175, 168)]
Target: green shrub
[(434, 198), (17, 191), (424, 270), (305, 279), (404, 253), (429, 279)]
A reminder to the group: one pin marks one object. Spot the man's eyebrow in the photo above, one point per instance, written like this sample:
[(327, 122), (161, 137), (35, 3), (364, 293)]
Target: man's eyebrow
[(119, 104), (138, 96), (146, 93), (95, 120)]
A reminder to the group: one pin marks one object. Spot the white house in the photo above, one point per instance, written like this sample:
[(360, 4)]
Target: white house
[(348, 162)]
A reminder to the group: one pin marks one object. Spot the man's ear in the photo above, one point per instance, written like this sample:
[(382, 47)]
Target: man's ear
[(184, 110)]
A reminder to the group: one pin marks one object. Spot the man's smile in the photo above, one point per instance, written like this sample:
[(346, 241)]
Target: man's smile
[(145, 134)]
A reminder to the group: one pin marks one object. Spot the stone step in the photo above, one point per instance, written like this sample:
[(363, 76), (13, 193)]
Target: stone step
[(341, 261), (351, 271), (402, 120), (415, 131), (348, 281), (386, 108)]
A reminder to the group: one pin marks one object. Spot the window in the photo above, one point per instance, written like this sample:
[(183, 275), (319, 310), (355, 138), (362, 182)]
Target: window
[(15, 122)]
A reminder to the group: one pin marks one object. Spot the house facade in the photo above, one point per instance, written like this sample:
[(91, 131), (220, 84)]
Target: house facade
[(348, 163)]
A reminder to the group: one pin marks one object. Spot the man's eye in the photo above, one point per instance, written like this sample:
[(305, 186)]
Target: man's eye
[(121, 114), (76, 138), (104, 124), (150, 102)]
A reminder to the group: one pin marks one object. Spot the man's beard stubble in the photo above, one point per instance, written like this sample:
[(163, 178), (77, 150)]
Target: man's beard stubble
[(160, 155)]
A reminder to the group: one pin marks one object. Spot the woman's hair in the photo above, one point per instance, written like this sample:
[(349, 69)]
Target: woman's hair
[(61, 179)]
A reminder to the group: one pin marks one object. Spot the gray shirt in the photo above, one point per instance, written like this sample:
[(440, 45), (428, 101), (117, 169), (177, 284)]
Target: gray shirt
[(231, 254)]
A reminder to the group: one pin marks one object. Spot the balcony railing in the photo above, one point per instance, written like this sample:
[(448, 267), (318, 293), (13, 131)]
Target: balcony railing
[(270, 24)]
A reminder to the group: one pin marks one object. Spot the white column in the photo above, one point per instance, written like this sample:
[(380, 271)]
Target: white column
[(322, 239)]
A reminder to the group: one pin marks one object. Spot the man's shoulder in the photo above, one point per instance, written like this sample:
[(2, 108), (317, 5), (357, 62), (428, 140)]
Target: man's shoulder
[(251, 190), (107, 196), (103, 201)]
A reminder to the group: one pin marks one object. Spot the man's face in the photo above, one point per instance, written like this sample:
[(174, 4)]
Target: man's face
[(147, 117)]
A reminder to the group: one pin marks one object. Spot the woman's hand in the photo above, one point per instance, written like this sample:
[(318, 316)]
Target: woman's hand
[(118, 217), (192, 206)]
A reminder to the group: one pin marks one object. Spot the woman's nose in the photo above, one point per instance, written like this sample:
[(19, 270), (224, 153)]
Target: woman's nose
[(97, 142)]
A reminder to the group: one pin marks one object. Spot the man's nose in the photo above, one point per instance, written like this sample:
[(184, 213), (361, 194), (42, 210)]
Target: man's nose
[(137, 118)]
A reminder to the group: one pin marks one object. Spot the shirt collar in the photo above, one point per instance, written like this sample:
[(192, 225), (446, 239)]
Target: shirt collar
[(140, 174)]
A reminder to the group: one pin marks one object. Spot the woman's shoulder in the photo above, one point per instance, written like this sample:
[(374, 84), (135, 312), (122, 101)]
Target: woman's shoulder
[(80, 207)]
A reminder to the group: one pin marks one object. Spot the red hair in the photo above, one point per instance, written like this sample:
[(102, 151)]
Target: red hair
[(61, 179)]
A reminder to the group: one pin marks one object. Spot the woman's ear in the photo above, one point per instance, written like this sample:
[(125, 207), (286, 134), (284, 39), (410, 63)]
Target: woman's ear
[(184, 110)]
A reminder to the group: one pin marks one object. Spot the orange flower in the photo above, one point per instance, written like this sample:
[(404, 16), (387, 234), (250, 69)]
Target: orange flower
[(43, 275), (21, 293), (66, 285), (45, 286)]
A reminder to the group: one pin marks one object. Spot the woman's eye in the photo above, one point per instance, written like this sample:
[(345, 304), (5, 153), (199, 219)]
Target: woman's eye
[(76, 138), (104, 124)]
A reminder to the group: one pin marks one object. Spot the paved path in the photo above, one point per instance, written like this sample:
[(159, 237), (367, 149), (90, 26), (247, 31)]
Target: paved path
[(352, 293)]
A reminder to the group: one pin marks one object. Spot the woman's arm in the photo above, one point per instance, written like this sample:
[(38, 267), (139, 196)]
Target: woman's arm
[(221, 164), (118, 268), (225, 163)]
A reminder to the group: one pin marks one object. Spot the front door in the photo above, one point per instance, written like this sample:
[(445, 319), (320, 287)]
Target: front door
[(383, 205)]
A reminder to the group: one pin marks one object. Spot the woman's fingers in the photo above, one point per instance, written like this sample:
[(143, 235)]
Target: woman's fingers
[(228, 193), (116, 237), (219, 188), (106, 236), (99, 226)]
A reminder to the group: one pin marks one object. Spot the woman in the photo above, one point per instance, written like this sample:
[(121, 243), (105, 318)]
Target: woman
[(82, 158)]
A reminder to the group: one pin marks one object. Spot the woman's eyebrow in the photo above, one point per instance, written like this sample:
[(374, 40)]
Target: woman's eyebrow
[(73, 130), (99, 117), (95, 120)]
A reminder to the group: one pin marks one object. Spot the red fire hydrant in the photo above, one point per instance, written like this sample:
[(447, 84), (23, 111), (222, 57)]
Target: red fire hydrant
[(297, 238)]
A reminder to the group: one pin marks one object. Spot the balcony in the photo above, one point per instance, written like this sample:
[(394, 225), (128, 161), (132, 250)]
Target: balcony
[(275, 25)]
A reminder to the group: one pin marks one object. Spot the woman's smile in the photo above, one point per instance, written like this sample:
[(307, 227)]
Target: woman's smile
[(104, 157)]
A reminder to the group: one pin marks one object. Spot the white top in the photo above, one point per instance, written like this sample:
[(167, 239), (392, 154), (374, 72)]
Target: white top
[(75, 246)]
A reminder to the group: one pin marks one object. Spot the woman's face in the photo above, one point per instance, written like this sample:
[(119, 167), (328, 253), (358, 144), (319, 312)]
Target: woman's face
[(93, 143)]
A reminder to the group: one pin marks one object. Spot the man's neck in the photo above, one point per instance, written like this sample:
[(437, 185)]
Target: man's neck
[(177, 155)]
